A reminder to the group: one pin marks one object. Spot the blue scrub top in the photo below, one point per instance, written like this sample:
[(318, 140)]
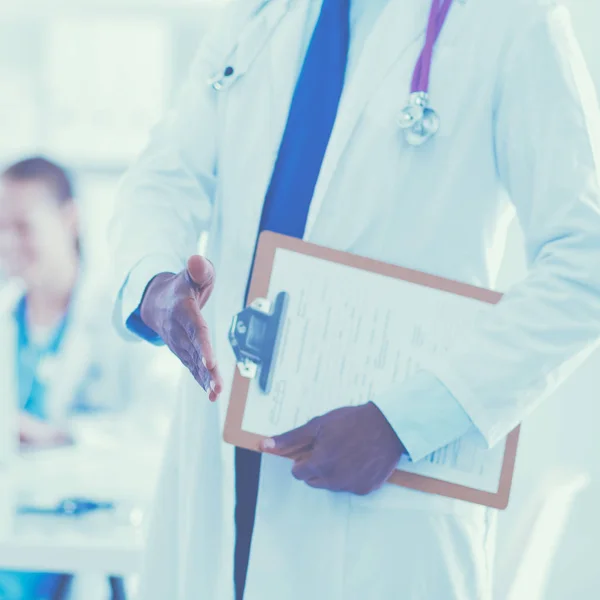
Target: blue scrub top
[(32, 390)]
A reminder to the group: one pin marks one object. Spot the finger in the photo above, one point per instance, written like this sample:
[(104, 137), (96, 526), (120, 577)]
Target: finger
[(308, 472), (292, 443), (215, 373), (182, 342), (190, 358), (188, 341), (218, 380), (303, 470), (200, 336), (322, 484), (215, 384), (200, 274)]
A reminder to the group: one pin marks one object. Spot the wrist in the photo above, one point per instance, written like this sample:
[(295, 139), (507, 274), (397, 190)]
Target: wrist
[(148, 304), (388, 424)]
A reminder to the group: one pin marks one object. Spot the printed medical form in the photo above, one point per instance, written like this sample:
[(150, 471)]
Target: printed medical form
[(351, 334)]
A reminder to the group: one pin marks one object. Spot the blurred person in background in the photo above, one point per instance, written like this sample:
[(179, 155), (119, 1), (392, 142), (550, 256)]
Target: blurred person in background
[(60, 354), (66, 357)]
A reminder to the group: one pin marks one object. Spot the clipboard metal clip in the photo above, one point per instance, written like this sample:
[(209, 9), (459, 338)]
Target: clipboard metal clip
[(254, 336)]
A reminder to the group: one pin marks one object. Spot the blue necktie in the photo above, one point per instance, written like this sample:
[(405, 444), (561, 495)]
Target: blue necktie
[(310, 121), (285, 210)]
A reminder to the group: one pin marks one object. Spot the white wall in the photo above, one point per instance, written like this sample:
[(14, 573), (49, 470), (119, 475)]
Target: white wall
[(563, 434)]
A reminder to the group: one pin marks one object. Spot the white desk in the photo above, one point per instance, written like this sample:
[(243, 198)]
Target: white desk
[(116, 458)]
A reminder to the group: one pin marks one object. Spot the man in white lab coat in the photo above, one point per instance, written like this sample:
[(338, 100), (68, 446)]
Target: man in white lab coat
[(520, 131)]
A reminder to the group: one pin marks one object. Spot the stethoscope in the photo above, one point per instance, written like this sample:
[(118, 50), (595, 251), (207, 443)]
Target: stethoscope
[(418, 121)]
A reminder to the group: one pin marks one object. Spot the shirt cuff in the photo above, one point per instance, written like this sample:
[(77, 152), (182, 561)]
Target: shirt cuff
[(424, 415), (134, 288), (136, 325)]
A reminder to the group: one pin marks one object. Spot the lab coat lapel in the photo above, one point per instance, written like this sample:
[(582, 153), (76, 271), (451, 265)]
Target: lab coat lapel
[(259, 118), (394, 37), (286, 52), (68, 368)]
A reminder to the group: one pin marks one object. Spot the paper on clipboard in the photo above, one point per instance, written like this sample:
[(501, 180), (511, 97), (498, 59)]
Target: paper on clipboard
[(353, 329)]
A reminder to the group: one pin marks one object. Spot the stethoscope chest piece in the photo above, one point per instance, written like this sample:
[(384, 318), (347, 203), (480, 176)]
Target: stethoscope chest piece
[(418, 120)]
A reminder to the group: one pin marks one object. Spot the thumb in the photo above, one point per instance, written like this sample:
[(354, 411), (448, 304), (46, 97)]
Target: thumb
[(292, 443), (200, 272)]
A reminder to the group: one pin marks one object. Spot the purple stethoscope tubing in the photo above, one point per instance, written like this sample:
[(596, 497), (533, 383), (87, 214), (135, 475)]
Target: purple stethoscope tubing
[(437, 17)]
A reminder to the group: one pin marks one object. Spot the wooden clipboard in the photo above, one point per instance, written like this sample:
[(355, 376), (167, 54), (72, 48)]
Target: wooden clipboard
[(234, 433)]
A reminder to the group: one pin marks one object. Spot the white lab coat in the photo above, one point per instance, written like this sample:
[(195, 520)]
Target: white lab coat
[(517, 109)]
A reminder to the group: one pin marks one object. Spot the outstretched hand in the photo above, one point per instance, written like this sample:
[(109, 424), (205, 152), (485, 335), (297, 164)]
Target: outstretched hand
[(172, 308)]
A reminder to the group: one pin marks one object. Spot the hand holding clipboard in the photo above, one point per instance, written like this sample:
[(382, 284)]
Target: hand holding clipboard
[(332, 338)]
